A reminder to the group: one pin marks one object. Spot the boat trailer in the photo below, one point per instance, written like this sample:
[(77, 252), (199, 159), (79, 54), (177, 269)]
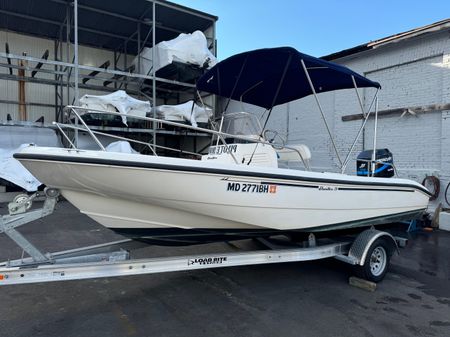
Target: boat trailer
[(369, 252)]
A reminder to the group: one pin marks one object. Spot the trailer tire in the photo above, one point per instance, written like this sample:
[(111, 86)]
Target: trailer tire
[(377, 260)]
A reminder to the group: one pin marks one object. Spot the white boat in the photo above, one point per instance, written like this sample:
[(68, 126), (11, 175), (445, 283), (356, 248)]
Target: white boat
[(237, 189)]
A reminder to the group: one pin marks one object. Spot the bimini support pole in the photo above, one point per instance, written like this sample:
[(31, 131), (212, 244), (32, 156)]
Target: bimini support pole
[(375, 137), (219, 137), (235, 83), (366, 117), (321, 111), (286, 67), (76, 61)]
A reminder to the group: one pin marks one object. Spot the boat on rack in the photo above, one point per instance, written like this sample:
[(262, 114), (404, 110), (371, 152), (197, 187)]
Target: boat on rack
[(237, 189)]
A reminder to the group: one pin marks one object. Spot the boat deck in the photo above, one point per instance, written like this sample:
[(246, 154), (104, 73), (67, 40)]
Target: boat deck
[(313, 298)]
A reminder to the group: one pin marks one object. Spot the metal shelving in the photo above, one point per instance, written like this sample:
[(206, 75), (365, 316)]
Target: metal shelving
[(124, 30), (118, 27)]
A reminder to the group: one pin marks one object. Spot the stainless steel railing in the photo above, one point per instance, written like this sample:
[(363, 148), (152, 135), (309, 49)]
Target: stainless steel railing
[(74, 110)]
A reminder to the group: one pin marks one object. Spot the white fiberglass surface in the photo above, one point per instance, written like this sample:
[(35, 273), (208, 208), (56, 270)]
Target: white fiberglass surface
[(208, 164)]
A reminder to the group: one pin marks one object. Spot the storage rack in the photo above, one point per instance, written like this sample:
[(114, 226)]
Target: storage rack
[(124, 28)]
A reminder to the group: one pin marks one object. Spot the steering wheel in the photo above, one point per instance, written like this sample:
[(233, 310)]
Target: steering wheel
[(267, 133)]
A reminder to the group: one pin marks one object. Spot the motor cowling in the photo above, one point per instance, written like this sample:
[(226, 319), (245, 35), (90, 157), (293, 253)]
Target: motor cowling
[(383, 168)]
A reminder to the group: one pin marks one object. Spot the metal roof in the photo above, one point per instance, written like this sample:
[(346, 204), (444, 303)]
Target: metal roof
[(434, 27), (102, 24)]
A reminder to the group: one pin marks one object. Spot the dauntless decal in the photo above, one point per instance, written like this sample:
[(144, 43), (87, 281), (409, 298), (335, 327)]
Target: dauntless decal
[(328, 188)]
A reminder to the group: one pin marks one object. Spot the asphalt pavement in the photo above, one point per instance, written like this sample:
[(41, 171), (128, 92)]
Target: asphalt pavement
[(292, 299)]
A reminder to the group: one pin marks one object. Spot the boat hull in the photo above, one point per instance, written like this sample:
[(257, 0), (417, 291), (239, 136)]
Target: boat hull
[(135, 192)]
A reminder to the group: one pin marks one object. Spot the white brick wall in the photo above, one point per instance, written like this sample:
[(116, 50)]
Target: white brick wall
[(413, 72)]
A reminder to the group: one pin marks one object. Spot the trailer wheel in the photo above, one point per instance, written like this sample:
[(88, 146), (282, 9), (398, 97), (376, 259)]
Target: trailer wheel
[(377, 260)]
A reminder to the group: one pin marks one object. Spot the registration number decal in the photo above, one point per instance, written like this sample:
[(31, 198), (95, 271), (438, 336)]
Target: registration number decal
[(251, 188), (221, 149)]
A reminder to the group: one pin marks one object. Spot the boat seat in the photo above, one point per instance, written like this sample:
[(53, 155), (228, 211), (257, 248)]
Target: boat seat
[(291, 155)]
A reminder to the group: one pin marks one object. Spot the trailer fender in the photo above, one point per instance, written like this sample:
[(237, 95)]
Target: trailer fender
[(360, 247)]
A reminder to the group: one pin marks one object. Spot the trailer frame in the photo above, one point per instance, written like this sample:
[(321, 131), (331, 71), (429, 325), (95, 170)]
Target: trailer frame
[(112, 259)]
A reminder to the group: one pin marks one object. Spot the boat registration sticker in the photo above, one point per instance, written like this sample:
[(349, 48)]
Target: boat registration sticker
[(222, 149), (251, 188)]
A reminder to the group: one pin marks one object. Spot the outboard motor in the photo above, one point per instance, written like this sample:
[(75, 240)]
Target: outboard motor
[(384, 169)]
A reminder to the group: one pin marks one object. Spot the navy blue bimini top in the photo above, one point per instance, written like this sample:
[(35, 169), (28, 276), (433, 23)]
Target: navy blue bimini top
[(273, 76)]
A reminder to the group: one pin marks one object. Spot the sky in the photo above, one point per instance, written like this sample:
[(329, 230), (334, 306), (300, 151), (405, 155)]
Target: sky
[(317, 28)]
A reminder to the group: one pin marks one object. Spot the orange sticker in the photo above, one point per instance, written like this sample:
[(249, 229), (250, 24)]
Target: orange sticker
[(273, 189)]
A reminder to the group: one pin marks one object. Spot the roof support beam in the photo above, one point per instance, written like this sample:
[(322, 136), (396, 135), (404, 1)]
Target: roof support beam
[(97, 10), (121, 16), (183, 9), (124, 17), (57, 23)]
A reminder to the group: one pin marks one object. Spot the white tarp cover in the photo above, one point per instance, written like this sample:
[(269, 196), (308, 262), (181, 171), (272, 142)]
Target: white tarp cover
[(121, 146), (13, 171), (13, 138), (186, 48), (118, 101), (184, 112)]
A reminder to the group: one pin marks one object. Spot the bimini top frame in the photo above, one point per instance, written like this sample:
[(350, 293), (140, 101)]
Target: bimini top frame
[(270, 77)]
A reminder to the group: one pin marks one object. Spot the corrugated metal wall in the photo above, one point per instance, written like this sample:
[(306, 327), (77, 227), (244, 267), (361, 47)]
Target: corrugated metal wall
[(44, 93), (19, 44)]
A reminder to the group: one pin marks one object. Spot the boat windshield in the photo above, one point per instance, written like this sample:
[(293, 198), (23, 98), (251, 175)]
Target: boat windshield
[(241, 124)]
